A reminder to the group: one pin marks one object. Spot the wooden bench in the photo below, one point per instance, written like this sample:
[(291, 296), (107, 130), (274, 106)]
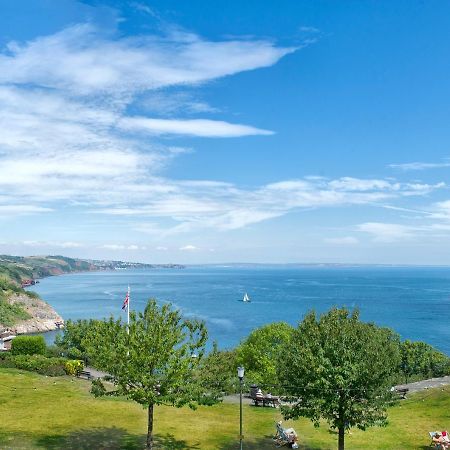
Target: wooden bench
[(257, 399), (401, 392), (265, 400), (271, 400), (85, 374)]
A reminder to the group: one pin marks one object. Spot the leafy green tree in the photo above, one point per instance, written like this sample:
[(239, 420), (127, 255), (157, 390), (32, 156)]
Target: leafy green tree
[(340, 369), (72, 339), (421, 359), (28, 345), (154, 363), (217, 371), (260, 351)]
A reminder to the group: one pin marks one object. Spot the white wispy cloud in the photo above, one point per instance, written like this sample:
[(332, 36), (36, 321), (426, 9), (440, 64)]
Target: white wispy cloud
[(11, 210), (193, 127), (420, 165), (222, 206), (56, 244), (388, 232), (120, 247), (67, 135), (188, 248), (83, 60)]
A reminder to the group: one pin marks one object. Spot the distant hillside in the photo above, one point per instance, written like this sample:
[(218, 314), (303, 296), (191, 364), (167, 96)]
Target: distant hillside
[(21, 268)]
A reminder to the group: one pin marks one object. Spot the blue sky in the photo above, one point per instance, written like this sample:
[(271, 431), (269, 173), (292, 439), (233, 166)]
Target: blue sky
[(256, 131)]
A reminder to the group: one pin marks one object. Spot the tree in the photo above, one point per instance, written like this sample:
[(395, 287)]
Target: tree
[(72, 339), (154, 363), (419, 358), (260, 351), (340, 369), (218, 371)]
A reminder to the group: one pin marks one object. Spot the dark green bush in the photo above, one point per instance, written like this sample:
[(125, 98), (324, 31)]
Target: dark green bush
[(40, 364), (28, 345), (53, 351), (6, 360)]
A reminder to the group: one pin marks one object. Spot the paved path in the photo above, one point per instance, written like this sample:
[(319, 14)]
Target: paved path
[(426, 384), (94, 372), (413, 387), (234, 398)]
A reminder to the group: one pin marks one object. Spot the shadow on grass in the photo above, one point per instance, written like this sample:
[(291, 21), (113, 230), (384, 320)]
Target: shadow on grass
[(168, 441), (109, 439), (98, 438), (261, 444)]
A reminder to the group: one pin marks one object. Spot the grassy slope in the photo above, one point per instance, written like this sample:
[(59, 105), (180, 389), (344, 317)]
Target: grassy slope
[(55, 413), (10, 314)]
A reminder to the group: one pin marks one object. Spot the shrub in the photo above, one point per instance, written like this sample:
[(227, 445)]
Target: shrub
[(40, 364), (6, 360), (74, 353), (28, 345), (53, 351), (73, 367)]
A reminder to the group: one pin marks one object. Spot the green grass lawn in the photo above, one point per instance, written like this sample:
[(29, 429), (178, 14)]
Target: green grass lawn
[(58, 413)]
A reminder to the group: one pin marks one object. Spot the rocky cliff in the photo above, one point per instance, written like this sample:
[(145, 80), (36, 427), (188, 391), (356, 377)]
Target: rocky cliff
[(43, 316)]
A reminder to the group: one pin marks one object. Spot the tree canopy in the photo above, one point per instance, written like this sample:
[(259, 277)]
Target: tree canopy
[(340, 369), (154, 363), (421, 359), (260, 351)]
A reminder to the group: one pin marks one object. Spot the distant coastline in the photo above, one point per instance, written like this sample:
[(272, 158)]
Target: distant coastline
[(22, 311)]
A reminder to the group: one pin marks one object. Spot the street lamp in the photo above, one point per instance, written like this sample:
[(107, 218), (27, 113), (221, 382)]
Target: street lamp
[(240, 371)]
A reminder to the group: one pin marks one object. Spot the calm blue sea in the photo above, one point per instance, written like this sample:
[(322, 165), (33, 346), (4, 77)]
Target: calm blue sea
[(414, 301)]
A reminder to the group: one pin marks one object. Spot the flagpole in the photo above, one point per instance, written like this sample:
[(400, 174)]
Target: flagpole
[(128, 311)]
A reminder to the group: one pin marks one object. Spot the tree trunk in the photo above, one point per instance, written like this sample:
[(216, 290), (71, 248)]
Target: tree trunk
[(341, 438), (150, 427)]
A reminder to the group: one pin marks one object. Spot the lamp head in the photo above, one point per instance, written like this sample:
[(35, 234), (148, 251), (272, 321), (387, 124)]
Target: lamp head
[(240, 371)]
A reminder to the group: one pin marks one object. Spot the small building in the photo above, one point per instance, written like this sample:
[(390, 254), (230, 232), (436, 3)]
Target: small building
[(5, 340)]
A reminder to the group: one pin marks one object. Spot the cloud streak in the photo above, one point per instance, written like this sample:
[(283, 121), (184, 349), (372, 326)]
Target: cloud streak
[(419, 166), (83, 60)]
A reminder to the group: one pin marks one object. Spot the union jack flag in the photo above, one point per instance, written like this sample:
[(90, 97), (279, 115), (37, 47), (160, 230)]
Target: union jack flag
[(126, 301)]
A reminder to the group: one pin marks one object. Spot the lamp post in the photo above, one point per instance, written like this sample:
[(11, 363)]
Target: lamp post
[(240, 371)]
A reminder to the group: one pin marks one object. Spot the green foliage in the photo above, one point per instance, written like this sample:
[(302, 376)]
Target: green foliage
[(217, 370), (73, 367), (340, 369), (422, 360), (53, 351), (155, 363), (72, 339), (11, 314), (35, 363), (260, 351), (32, 294), (28, 345)]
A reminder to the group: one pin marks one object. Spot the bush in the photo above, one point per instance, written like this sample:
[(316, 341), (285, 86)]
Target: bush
[(73, 367), (74, 353), (53, 351), (6, 360), (28, 345), (40, 364)]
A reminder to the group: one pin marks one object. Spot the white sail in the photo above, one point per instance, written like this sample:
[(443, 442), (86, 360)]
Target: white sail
[(246, 298)]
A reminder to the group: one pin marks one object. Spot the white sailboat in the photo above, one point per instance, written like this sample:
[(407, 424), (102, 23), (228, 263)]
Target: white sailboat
[(246, 298)]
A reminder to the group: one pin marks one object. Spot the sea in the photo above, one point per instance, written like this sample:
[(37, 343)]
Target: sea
[(413, 301)]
